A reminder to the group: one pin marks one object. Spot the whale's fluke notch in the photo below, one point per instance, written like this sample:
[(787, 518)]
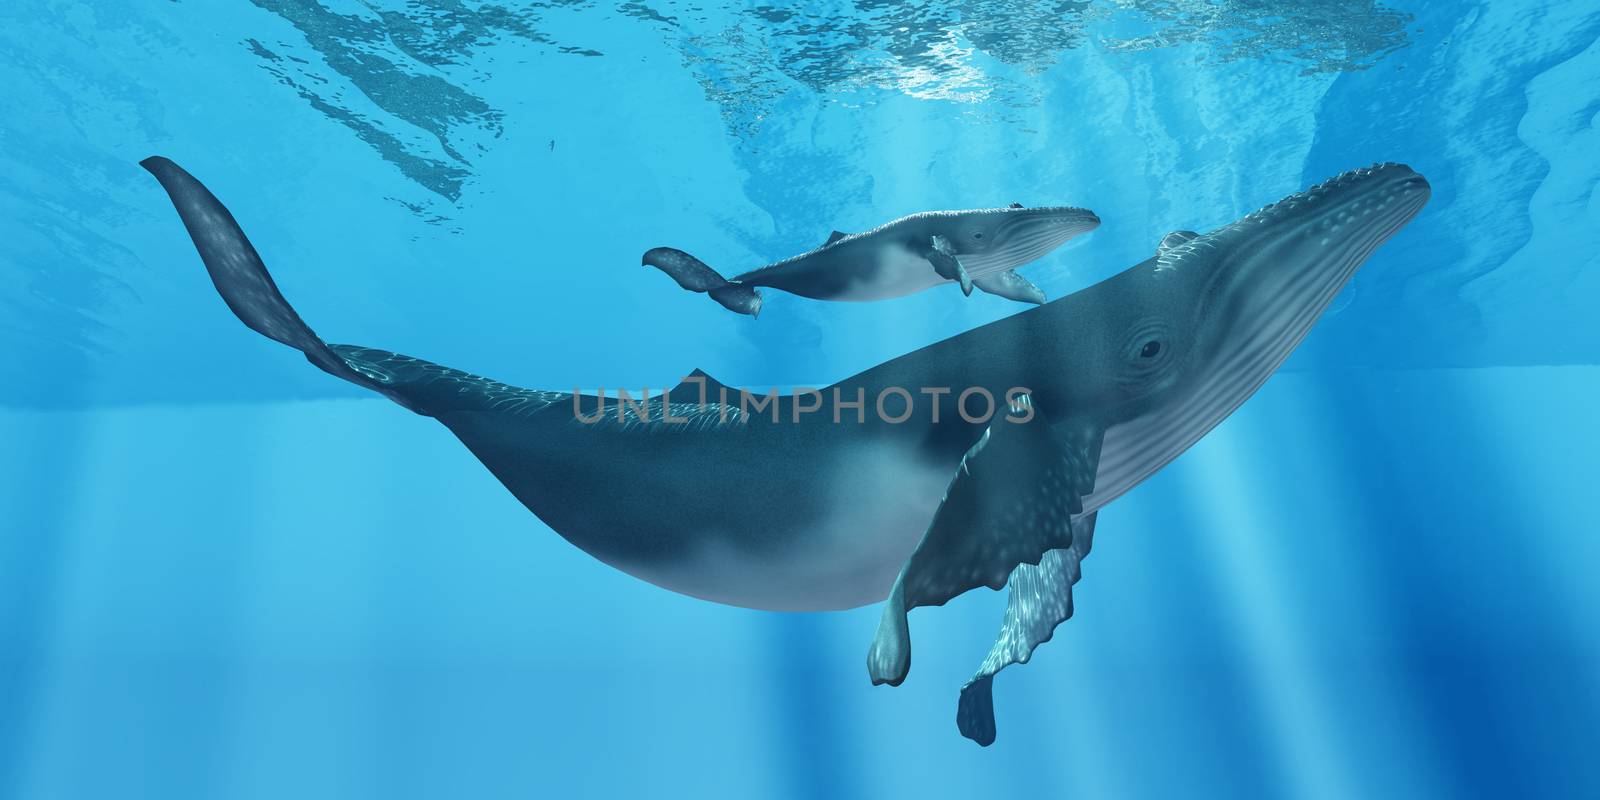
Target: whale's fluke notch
[(693, 274), (1010, 503), (738, 298), (241, 277)]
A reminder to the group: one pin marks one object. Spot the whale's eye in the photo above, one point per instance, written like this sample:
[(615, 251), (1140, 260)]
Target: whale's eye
[(978, 235), (1150, 349)]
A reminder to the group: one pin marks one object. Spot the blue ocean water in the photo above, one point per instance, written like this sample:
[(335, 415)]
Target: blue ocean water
[(224, 574)]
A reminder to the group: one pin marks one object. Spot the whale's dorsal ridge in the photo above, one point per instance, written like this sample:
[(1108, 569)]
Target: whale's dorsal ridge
[(834, 237)]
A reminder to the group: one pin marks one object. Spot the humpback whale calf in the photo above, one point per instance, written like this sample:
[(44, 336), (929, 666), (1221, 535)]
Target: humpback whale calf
[(893, 483), (978, 247)]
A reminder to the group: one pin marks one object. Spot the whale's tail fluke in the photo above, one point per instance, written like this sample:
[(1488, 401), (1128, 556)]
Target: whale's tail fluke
[(691, 273), (241, 277), (248, 289)]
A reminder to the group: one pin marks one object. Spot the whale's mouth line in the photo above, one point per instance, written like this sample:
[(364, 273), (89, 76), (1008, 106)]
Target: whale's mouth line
[(1024, 239), (1267, 328), (1057, 216)]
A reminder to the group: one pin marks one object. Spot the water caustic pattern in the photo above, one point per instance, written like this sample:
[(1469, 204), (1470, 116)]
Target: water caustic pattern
[(753, 131), (414, 60)]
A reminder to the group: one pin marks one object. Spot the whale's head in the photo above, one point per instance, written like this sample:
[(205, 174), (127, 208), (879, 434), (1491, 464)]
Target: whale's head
[(1204, 323), (1003, 238)]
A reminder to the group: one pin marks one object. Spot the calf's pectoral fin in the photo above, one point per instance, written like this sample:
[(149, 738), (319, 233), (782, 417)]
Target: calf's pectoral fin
[(1011, 503), (1011, 286), (942, 255)]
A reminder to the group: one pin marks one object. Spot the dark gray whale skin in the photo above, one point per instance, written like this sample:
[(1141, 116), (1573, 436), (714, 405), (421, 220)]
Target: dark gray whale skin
[(795, 509)]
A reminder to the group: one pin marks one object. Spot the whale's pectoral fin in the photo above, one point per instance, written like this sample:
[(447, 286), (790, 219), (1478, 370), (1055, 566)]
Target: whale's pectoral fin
[(942, 255), (693, 274), (1011, 502), (1040, 599), (1010, 285)]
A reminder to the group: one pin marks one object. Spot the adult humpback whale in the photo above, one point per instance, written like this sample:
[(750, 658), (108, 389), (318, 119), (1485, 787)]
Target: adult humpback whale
[(810, 502), (977, 247)]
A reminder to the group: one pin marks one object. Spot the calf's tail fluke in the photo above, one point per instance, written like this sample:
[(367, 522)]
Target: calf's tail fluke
[(243, 281), (691, 273)]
